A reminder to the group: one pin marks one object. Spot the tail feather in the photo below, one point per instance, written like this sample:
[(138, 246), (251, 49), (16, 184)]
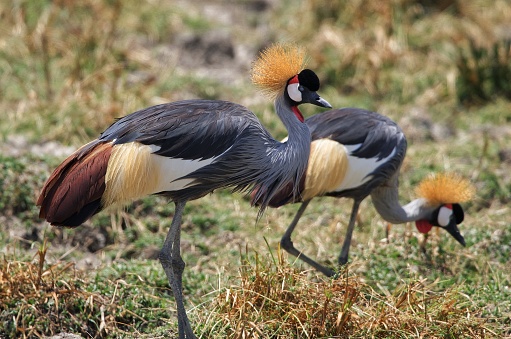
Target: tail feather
[(73, 192)]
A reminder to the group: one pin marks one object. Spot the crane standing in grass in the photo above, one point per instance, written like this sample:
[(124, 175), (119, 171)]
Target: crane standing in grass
[(187, 149), (356, 153)]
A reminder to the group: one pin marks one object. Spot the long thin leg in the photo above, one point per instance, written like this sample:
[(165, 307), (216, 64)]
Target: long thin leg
[(173, 265), (287, 244), (343, 257)]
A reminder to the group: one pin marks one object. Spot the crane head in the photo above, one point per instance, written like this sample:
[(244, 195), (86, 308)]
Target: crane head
[(448, 217), (280, 69), (302, 89), (275, 66), (445, 191)]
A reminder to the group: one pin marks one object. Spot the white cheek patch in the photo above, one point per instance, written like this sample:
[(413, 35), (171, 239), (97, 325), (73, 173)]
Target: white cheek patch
[(444, 214), (294, 93)]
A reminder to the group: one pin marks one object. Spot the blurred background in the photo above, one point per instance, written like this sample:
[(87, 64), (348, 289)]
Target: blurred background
[(440, 69)]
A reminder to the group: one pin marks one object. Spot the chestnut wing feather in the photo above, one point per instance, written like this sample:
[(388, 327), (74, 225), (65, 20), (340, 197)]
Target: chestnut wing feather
[(73, 192)]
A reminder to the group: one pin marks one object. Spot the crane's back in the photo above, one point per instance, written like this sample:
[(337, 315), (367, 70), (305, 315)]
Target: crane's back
[(143, 153)]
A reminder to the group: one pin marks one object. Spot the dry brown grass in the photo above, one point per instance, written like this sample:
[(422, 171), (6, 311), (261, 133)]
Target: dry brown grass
[(271, 299), (403, 48), (70, 63), (38, 299), (42, 299), (278, 301)]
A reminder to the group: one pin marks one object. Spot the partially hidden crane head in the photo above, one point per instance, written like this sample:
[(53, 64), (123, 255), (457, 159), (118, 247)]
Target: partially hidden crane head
[(280, 70), (447, 191)]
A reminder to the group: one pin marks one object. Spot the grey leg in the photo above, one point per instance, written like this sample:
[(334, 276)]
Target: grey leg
[(343, 257), (287, 244), (173, 265)]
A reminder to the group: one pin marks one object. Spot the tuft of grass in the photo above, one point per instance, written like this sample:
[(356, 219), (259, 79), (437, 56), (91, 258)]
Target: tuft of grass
[(38, 298), (273, 299)]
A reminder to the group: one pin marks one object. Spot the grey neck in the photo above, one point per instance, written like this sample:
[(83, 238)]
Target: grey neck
[(285, 162), (299, 133), (386, 202)]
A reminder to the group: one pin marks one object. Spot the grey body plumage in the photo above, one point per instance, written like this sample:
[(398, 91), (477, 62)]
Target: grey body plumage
[(244, 152)]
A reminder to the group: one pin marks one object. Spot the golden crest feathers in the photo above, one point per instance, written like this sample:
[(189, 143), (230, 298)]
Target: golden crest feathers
[(445, 188), (275, 66)]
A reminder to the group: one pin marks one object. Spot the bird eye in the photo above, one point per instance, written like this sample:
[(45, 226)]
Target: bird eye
[(301, 88)]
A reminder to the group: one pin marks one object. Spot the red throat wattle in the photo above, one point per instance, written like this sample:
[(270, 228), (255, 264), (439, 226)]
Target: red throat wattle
[(299, 115), (297, 112), (423, 226)]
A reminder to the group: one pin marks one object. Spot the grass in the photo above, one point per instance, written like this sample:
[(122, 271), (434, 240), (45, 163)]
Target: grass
[(268, 298), (277, 300), (41, 299), (69, 69)]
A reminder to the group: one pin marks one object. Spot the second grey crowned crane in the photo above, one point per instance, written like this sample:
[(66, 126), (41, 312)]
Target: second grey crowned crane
[(185, 150), (356, 153)]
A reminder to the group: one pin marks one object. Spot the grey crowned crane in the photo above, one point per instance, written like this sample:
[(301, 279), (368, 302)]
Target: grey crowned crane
[(356, 153), (187, 149)]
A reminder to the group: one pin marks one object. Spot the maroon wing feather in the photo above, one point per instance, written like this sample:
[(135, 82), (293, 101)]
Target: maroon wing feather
[(73, 192)]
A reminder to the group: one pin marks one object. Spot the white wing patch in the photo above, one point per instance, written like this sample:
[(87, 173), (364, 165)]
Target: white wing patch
[(171, 169), (134, 171), (359, 169)]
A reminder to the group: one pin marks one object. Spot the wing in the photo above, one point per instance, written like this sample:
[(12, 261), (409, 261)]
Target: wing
[(376, 145), (191, 129), (376, 135)]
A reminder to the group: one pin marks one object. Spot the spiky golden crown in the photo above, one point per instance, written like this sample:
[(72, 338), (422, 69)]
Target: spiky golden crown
[(275, 66), (445, 188)]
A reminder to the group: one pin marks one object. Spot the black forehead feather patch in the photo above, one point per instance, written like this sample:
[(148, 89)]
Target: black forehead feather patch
[(309, 79)]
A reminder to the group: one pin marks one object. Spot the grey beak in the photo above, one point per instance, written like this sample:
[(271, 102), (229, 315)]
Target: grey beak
[(453, 230), (322, 102)]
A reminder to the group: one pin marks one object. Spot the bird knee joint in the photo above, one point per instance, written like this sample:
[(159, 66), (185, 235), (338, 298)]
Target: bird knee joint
[(167, 260), (164, 258), (286, 243), (178, 263)]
